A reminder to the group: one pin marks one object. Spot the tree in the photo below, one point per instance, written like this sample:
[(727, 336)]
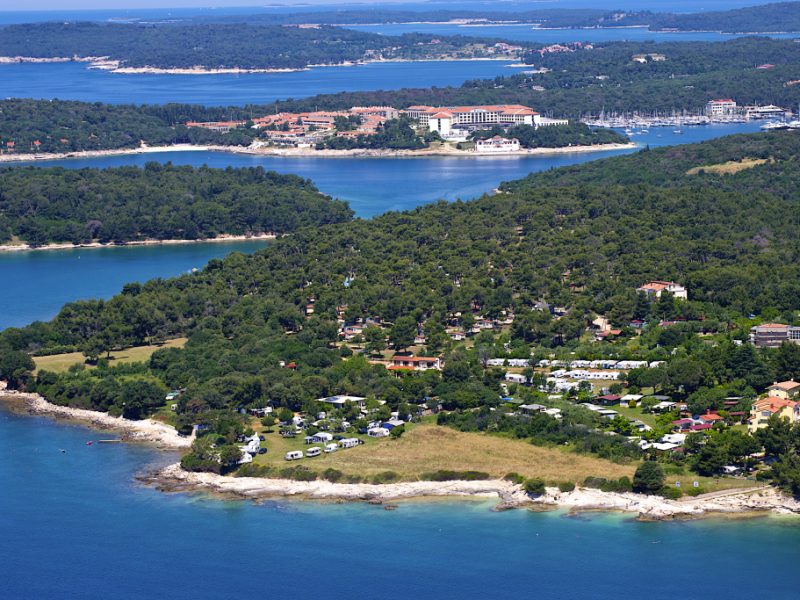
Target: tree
[(649, 478), (375, 339), (269, 422), (229, 456), (16, 368), (403, 332), (534, 486), (285, 415), (138, 397)]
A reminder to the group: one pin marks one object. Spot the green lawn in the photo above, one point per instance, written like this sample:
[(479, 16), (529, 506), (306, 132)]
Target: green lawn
[(61, 362)]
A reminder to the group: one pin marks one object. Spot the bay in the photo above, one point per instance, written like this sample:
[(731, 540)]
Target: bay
[(74, 81), (78, 525), (36, 284), (528, 33)]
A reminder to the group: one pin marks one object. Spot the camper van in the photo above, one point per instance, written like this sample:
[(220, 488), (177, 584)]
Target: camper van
[(293, 455), (350, 442), (331, 447), (315, 451)]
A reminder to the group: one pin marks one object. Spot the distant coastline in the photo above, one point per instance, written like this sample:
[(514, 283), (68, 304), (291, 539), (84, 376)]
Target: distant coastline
[(104, 63), (744, 502), (310, 152), (134, 243)]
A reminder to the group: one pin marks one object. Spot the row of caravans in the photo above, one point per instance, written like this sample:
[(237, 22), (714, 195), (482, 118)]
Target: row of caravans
[(316, 450)]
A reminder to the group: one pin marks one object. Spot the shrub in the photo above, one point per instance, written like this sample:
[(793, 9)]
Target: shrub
[(385, 477), (566, 486), (649, 478), (534, 486), (253, 470), (445, 475), (298, 474), (353, 479), (671, 493), (594, 482), (332, 475), (695, 491), (514, 478)]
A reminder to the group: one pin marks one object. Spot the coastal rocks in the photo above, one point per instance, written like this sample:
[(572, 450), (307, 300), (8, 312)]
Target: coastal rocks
[(146, 430)]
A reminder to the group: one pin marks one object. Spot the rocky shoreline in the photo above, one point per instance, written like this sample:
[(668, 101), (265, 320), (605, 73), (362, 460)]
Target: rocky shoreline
[(136, 243), (443, 151), (737, 502), (147, 430), (752, 502)]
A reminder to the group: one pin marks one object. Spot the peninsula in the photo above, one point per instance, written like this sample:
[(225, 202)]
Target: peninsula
[(614, 326)]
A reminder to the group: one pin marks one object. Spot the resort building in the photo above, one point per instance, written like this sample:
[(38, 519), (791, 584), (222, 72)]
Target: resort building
[(497, 145), (457, 121), (788, 390), (764, 408), (340, 401), (415, 363), (656, 288), (772, 335), (720, 108)]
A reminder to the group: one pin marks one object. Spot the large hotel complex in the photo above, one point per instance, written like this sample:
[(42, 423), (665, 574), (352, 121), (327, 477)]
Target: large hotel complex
[(452, 123)]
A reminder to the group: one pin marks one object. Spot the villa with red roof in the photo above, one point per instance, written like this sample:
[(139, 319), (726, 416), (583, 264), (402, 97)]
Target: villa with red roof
[(764, 408), (655, 289)]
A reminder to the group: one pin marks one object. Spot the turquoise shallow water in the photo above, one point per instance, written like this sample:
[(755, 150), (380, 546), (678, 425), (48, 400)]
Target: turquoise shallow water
[(78, 525)]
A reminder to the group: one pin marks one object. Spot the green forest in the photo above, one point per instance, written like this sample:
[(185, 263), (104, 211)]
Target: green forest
[(157, 202), (574, 134), (582, 238), (766, 18), (692, 74), (218, 46)]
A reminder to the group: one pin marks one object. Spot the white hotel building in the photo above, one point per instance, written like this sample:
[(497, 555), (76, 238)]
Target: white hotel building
[(446, 120)]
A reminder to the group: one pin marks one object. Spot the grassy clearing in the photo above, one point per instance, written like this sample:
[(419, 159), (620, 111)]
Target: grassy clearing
[(61, 362), (730, 167), (427, 447)]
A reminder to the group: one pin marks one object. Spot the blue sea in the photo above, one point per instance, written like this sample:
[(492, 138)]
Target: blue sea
[(36, 284), (78, 525), (74, 81)]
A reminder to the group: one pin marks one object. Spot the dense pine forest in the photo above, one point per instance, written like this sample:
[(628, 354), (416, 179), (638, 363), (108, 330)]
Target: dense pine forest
[(582, 238), (766, 18), (219, 46), (157, 202)]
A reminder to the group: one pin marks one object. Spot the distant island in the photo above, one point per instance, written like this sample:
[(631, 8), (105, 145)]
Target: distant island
[(220, 48), (155, 203), (765, 18)]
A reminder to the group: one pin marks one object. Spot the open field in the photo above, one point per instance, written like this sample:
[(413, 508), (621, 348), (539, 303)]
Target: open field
[(730, 167), (427, 447), (61, 362)]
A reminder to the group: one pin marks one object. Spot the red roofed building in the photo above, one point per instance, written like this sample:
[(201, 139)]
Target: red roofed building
[(764, 408), (415, 363), (656, 288)]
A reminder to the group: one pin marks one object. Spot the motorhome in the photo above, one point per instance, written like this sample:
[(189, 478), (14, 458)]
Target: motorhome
[(293, 455), (312, 452), (333, 447)]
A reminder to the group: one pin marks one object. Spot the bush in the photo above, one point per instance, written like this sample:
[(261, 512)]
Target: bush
[(193, 463), (649, 478), (595, 482), (566, 486), (514, 478), (534, 486), (298, 474), (623, 484), (695, 491), (385, 477), (332, 475), (445, 475), (671, 493), (253, 470)]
